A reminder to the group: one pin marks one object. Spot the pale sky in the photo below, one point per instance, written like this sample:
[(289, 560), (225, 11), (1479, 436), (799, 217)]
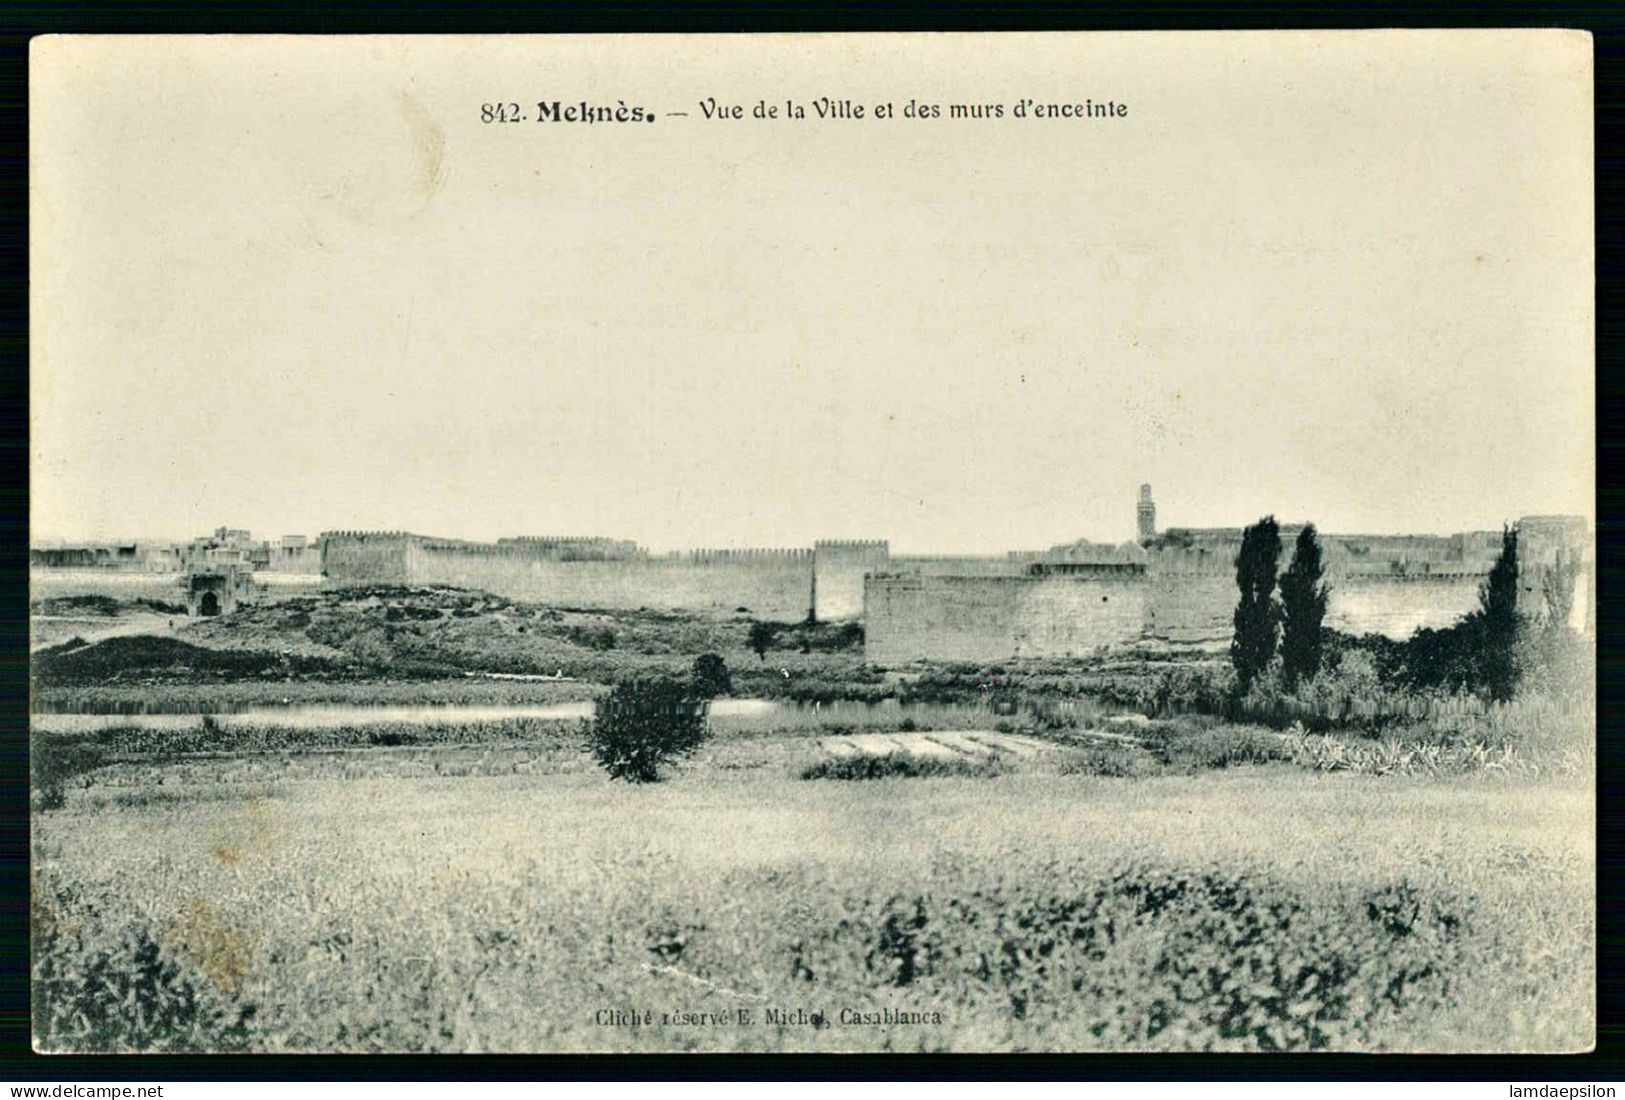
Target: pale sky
[(295, 285)]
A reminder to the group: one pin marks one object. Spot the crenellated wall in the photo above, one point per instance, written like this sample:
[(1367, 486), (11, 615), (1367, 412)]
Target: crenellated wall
[(766, 584), (1179, 587), (575, 547), (771, 584)]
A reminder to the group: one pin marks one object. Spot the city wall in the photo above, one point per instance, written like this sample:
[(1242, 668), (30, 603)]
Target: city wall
[(1400, 606), (769, 584), (1177, 588), (1190, 608), (961, 618), (958, 618), (366, 557), (838, 571)]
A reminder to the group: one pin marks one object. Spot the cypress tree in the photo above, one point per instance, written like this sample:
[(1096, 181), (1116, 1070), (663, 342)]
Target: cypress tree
[(1257, 617), (1303, 609), (1499, 623)]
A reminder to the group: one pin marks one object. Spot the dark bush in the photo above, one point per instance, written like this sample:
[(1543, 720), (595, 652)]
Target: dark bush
[(835, 637), (904, 765), (1201, 689), (56, 764), (642, 724), (411, 613), (1209, 743), (104, 982), (1482, 653), (1117, 762), (710, 676), (761, 638), (599, 638)]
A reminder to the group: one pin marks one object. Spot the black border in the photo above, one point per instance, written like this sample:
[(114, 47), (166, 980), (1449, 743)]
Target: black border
[(21, 21)]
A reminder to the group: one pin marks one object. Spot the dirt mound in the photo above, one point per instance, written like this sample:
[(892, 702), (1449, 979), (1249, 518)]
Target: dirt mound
[(146, 655), (398, 629), (433, 632)]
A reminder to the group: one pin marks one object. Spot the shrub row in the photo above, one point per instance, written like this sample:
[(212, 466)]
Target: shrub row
[(904, 765), (63, 758), (1161, 956)]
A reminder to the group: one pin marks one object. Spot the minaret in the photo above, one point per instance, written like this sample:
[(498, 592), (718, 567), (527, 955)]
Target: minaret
[(1147, 515)]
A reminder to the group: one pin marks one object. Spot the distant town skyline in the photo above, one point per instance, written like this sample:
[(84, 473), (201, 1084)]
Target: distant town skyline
[(268, 534), (364, 308)]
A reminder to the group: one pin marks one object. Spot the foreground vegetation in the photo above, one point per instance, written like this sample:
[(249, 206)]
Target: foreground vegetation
[(1020, 911), (1187, 865)]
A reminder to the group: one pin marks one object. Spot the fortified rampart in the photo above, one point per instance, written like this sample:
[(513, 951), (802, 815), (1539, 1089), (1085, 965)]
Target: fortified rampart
[(1077, 611), (1182, 585), (946, 618), (366, 557), (1175, 586), (575, 547), (767, 584), (839, 566)]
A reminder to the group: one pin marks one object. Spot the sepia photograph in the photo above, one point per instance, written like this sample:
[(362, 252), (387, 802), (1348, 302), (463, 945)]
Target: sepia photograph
[(1019, 542)]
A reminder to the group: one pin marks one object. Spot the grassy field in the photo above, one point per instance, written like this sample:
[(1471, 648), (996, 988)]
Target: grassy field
[(512, 898), (1153, 880)]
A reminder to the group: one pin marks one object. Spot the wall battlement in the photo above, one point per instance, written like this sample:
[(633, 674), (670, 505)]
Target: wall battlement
[(865, 546), (575, 547), (1086, 568), (747, 556), (566, 540)]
